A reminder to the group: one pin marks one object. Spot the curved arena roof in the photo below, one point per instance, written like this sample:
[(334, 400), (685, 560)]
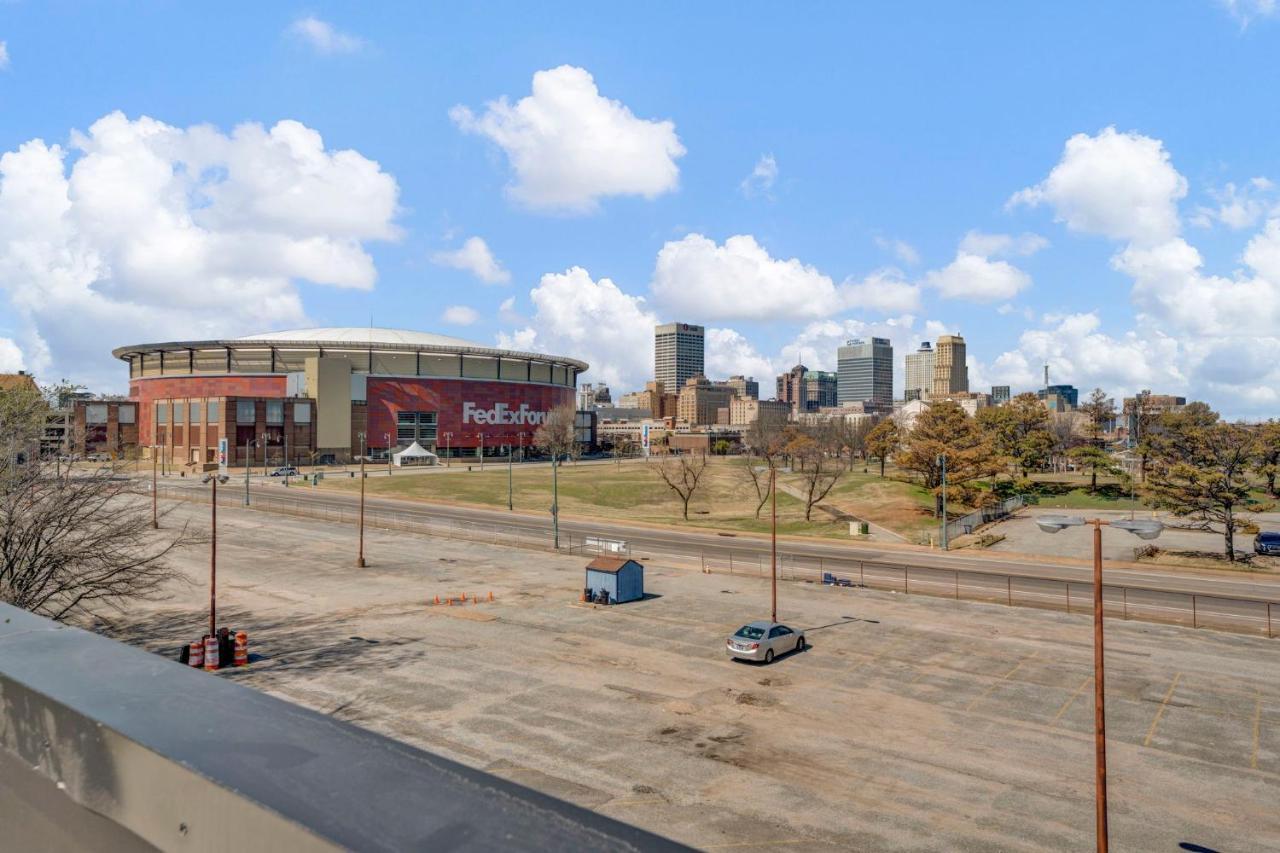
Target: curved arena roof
[(346, 339)]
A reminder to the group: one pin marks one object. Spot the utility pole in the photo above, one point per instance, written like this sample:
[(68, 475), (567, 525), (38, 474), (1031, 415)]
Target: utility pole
[(773, 541), (942, 458), (213, 561), (360, 558), (1099, 695)]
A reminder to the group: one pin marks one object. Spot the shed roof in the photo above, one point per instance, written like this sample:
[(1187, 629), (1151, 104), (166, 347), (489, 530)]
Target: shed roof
[(609, 564)]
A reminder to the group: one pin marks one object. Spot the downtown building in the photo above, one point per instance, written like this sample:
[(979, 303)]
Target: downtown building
[(919, 383), (950, 368), (679, 351), (864, 371)]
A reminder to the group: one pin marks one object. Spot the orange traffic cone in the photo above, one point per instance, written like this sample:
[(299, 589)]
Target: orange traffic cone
[(242, 649)]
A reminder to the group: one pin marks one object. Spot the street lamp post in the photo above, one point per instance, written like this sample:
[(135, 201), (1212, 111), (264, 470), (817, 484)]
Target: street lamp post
[(155, 506), (480, 436), (286, 456), (510, 506), (447, 463), (1143, 529), (248, 462), (263, 439), (387, 437), (213, 480), (360, 556), (942, 460), (555, 501)]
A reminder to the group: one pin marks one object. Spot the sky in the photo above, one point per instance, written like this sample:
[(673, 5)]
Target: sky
[(1091, 185)]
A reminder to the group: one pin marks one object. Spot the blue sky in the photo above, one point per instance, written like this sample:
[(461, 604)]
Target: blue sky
[(883, 135)]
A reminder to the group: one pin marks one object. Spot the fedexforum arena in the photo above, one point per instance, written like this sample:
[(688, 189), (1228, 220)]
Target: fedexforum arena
[(325, 393)]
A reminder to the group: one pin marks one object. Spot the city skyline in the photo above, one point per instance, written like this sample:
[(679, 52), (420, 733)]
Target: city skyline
[(436, 170)]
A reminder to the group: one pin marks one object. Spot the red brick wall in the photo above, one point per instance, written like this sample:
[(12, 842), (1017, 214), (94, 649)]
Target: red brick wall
[(145, 391), (388, 397)]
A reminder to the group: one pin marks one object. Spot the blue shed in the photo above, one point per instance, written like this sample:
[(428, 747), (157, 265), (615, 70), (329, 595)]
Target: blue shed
[(622, 578)]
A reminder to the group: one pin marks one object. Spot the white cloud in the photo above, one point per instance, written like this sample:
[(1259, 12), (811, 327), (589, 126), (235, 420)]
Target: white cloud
[(11, 360), (1238, 207), (474, 257), (4, 55), (569, 146), (323, 36), (729, 353), (460, 315), (884, 291), (1120, 185), (695, 278), (1246, 11), (594, 320), (1002, 245), (139, 230), (901, 249), (508, 314), (978, 279), (762, 177)]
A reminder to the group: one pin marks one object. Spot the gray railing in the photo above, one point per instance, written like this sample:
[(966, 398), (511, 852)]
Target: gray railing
[(968, 523)]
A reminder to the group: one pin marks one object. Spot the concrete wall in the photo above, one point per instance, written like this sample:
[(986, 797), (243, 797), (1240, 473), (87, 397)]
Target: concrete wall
[(329, 383)]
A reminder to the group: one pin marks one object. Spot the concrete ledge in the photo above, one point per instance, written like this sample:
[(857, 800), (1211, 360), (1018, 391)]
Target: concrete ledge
[(105, 746)]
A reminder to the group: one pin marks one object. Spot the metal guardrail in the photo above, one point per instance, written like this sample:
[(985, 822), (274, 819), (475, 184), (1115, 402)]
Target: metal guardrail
[(108, 747), (1239, 614)]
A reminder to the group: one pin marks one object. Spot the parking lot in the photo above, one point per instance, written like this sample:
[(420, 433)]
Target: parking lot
[(911, 723)]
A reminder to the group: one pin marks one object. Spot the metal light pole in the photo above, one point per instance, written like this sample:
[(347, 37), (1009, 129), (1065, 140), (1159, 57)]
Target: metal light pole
[(447, 463), (360, 558), (1143, 529), (942, 459), (263, 439), (248, 461), (510, 507), (773, 542), (286, 456), (480, 436), (555, 501), (387, 437), (155, 507)]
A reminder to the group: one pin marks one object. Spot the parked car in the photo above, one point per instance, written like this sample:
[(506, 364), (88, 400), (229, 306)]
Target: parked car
[(1267, 542), (763, 641), (285, 471)]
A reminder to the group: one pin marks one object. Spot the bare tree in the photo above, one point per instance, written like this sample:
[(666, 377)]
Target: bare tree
[(556, 436), (763, 439), (814, 448), (682, 474), (70, 541), (622, 446)]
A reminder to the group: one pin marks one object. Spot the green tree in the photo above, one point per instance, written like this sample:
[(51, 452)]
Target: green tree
[(883, 441), (1019, 431), (1096, 459), (1200, 469), (945, 429), (1101, 412), (1269, 454)]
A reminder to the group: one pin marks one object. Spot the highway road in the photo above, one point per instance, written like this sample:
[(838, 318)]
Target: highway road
[(751, 550)]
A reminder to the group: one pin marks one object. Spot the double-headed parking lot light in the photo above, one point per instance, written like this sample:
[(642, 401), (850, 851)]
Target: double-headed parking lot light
[(1056, 523)]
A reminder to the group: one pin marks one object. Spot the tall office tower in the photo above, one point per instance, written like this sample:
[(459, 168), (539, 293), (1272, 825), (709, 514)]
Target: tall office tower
[(864, 371), (678, 351), (791, 387), (1000, 394), (950, 368), (919, 372), (819, 390)]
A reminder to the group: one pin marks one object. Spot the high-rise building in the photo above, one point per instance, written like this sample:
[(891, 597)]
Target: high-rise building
[(1000, 394), (593, 396), (678, 353), (790, 387), (864, 371), (746, 386), (919, 372), (820, 390), (950, 367)]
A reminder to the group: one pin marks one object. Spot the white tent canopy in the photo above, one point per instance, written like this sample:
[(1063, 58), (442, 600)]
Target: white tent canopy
[(414, 454)]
